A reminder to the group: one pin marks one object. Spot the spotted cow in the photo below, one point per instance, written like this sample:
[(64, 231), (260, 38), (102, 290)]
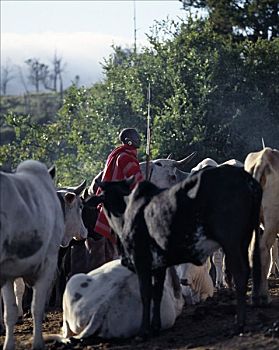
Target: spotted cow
[(185, 223), (106, 303)]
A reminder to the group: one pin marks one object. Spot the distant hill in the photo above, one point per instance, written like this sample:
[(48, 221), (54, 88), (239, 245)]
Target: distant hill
[(41, 107)]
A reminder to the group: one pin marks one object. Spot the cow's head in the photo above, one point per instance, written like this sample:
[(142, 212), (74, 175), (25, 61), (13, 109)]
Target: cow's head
[(166, 172), (72, 206)]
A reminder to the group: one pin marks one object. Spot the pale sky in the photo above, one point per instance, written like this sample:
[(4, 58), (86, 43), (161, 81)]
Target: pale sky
[(82, 32)]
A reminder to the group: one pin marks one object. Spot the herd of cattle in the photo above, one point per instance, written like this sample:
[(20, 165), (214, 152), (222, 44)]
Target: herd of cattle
[(169, 228)]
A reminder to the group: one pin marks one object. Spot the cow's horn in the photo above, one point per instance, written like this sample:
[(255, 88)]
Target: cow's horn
[(77, 190), (263, 143), (52, 171), (170, 156), (181, 163)]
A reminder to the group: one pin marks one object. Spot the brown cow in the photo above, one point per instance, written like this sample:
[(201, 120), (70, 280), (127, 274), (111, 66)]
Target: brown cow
[(264, 166)]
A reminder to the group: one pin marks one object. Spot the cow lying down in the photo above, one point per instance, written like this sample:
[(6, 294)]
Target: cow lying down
[(106, 303)]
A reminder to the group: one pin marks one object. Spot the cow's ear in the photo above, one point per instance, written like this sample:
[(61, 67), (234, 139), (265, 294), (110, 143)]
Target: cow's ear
[(70, 197), (94, 184), (52, 171)]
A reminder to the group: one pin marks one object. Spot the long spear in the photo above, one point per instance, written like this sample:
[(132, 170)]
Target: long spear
[(148, 137)]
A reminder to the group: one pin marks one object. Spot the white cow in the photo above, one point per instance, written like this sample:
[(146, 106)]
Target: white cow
[(71, 206), (197, 285), (166, 172), (106, 302), (264, 166), (32, 229)]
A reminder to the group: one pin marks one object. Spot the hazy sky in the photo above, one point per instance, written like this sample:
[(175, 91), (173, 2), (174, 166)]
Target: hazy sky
[(82, 32)]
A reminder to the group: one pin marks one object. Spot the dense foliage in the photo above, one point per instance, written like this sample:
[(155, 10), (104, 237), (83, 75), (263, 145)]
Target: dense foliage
[(241, 18), (209, 93)]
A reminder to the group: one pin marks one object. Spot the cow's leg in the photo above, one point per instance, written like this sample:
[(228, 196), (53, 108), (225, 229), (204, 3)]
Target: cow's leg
[(78, 258), (145, 284), (10, 314), (40, 292), (2, 328), (158, 288), (276, 257), (19, 287), (228, 275), (266, 243), (60, 286), (175, 282), (56, 291), (212, 271), (217, 259), (238, 264), (273, 267)]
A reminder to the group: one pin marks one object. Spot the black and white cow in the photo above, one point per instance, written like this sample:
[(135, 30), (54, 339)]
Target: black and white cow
[(186, 223), (32, 230)]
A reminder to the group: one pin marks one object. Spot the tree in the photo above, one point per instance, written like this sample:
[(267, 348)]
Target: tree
[(55, 75), (251, 19), (77, 141), (38, 72), (22, 79), (6, 76)]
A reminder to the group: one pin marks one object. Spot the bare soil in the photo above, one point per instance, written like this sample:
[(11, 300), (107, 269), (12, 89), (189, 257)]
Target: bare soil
[(206, 326)]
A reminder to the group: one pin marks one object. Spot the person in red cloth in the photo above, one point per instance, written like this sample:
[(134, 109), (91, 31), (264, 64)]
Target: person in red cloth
[(121, 163)]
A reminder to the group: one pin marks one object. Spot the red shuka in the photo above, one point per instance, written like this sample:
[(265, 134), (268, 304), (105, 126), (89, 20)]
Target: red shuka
[(121, 163)]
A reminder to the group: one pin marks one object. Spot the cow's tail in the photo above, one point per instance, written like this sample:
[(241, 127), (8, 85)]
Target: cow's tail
[(256, 271), (256, 258), (56, 337)]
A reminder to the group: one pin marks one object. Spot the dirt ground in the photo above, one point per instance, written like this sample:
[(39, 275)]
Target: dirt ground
[(206, 326)]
